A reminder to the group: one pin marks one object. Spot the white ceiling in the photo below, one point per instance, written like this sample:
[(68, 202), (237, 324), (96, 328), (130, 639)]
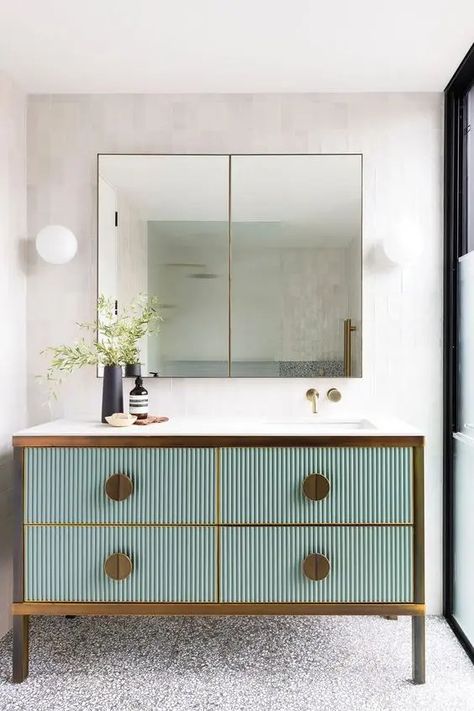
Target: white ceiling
[(233, 45)]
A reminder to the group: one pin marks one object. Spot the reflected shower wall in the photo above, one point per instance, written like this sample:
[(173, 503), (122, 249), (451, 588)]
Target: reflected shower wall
[(188, 271)]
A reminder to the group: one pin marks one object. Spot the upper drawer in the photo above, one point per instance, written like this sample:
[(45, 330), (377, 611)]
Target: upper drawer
[(357, 485), (68, 485)]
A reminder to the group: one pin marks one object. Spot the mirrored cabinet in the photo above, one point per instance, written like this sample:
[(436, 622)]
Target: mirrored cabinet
[(255, 260)]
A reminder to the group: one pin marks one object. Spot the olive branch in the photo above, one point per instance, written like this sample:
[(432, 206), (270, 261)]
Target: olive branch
[(113, 339)]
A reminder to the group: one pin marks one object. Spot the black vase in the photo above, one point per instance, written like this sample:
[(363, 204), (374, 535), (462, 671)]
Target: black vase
[(112, 392), (133, 370)]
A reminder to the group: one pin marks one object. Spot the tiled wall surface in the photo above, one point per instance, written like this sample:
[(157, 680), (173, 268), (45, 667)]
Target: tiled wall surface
[(400, 136), (314, 303), (13, 303)]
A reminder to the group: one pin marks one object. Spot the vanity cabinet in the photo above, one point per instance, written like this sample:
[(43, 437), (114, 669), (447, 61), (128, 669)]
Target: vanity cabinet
[(218, 525)]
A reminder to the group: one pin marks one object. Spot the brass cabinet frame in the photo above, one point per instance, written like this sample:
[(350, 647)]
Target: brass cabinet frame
[(21, 609)]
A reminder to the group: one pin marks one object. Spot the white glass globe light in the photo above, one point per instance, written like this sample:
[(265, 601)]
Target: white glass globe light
[(56, 244)]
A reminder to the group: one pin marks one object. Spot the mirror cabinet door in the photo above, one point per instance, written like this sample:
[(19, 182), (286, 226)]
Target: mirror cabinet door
[(296, 265), (163, 230), (275, 291)]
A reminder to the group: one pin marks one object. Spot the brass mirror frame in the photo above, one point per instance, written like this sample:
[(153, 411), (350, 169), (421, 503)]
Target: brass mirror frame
[(348, 327)]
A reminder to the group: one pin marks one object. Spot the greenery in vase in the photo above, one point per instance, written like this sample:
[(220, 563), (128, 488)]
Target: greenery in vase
[(112, 339)]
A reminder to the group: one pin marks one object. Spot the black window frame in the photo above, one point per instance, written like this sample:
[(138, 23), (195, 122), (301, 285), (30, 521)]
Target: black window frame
[(455, 245)]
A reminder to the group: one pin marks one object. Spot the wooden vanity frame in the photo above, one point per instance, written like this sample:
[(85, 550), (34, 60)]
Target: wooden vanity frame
[(21, 610)]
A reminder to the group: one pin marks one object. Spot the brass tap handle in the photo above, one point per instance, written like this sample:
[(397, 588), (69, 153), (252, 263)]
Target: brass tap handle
[(118, 566), (334, 395), (316, 487), (312, 395), (118, 487), (316, 566)]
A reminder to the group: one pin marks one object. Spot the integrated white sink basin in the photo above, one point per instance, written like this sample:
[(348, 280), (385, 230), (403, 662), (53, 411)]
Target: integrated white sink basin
[(326, 425)]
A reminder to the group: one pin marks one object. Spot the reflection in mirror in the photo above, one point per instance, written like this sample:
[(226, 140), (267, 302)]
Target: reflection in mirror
[(296, 266), (163, 230), (276, 292)]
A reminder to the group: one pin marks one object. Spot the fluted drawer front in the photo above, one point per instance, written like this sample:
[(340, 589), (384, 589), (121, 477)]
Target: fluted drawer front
[(366, 485), (68, 485), (68, 563), (366, 564)]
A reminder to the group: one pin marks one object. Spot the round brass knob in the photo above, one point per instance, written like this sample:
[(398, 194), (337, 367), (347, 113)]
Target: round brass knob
[(118, 566), (316, 566), (316, 487), (334, 395), (118, 487)]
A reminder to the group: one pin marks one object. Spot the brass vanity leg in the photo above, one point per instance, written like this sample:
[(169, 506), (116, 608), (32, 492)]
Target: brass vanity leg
[(418, 648), (20, 647)]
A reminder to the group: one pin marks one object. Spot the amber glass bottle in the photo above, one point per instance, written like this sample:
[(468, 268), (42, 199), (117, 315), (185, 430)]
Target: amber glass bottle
[(138, 404)]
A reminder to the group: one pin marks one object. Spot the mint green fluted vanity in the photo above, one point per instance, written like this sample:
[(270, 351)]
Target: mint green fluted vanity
[(167, 522)]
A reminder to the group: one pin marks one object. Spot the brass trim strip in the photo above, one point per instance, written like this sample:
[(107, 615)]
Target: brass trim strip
[(419, 526), (209, 608), (24, 504), (218, 518), (19, 516), (316, 525), (120, 525), (219, 525), (211, 441), (24, 479)]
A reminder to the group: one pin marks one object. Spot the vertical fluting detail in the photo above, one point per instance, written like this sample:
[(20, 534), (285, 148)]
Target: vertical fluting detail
[(367, 564), (224, 563), (66, 563), (67, 485), (367, 485)]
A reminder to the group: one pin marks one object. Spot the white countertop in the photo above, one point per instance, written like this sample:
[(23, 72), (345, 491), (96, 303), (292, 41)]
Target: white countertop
[(203, 426)]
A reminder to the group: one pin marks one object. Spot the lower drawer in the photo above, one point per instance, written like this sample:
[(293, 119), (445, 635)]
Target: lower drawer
[(360, 564), (161, 564)]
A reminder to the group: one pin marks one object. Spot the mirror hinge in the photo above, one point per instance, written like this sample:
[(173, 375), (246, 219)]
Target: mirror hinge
[(116, 218)]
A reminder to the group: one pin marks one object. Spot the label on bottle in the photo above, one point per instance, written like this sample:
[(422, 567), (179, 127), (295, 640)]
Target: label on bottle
[(138, 405)]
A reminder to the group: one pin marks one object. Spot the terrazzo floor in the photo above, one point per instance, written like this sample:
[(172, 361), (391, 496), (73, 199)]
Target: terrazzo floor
[(271, 664)]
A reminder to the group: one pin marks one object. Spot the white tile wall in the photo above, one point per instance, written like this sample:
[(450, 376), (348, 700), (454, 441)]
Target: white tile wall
[(314, 304), (13, 309), (400, 136)]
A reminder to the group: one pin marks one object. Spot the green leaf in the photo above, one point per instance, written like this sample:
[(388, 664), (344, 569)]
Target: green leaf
[(113, 339)]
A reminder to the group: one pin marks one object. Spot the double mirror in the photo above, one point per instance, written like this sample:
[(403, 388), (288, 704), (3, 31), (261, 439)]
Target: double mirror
[(255, 260)]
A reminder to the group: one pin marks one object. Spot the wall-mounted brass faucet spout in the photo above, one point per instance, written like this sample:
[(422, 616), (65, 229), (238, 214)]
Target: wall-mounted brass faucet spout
[(312, 395)]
